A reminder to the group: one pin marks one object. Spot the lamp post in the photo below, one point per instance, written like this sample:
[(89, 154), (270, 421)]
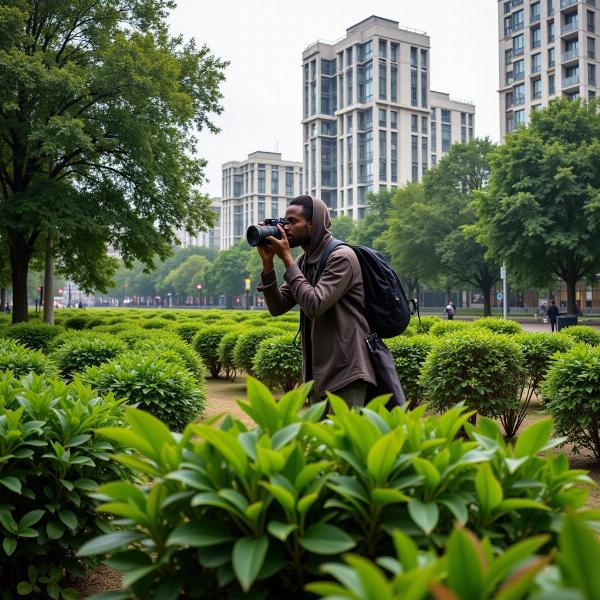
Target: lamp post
[(199, 288), (247, 288)]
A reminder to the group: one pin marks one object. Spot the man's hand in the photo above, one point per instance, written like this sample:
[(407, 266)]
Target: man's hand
[(266, 253), (281, 247)]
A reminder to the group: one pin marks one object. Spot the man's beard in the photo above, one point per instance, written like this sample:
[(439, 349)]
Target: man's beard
[(303, 241)]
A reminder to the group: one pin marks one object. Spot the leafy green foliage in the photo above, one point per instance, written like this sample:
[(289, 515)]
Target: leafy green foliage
[(441, 328), (571, 392), (230, 510), (498, 325), (158, 384), (278, 363), (77, 322), (21, 361), (36, 336), (155, 324), (86, 350), (51, 458), (247, 345), (409, 353), (225, 350), (422, 325), (206, 343), (481, 369), (187, 331), (583, 334)]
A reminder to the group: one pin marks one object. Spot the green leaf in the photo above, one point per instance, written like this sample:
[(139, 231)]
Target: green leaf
[(385, 496), (247, 559), (372, 580), (519, 503), (489, 490), (285, 435), (12, 483), (406, 549), (54, 530), (68, 518), (9, 545), (109, 542), (457, 506), (534, 438), (283, 496), (31, 518), (323, 538), (424, 514), (466, 564), (154, 430), (24, 588), (382, 456), (281, 530), (200, 534), (227, 445)]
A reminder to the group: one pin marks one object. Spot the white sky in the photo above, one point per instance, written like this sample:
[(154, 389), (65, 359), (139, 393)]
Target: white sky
[(264, 40)]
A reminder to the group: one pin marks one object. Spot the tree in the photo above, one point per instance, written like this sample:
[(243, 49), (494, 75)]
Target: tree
[(342, 227), (98, 110), (374, 222), (184, 279), (541, 210), (227, 273)]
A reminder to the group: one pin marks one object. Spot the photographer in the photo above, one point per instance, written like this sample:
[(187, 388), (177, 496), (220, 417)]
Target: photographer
[(333, 329)]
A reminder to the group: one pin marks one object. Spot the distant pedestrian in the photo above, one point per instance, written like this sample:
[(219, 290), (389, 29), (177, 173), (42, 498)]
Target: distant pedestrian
[(552, 314), (450, 310)]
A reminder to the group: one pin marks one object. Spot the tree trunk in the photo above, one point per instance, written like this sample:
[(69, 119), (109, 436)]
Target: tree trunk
[(571, 303), (2, 299), (49, 282), (487, 305), (20, 255)]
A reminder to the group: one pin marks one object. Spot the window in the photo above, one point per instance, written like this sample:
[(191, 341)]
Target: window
[(274, 180), (348, 56), (536, 37), (424, 90), (394, 119), (413, 56), (433, 130), (289, 182), (348, 123), (394, 156), (536, 89), (535, 12), (413, 86), (518, 19), (261, 181), (424, 125), (510, 77), (519, 92), (591, 48), (550, 5), (518, 45), (382, 80), (510, 122), (590, 21), (394, 84), (349, 158), (536, 63), (550, 32), (551, 57), (349, 94), (509, 100), (446, 130), (519, 69), (507, 7), (382, 155), (340, 61), (591, 74), (382, 48), (519, 117), (591, 94), (365, 82), (414, 146), (382, 117), (424, 153), (535, 107), (508, 56), (394, 52), (365, 51), (551, 85), (414, 123)]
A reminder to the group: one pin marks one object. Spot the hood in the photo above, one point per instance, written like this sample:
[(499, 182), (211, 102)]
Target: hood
[(321, 222)]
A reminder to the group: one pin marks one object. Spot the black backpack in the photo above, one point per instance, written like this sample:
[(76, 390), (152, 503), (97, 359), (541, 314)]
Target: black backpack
[(387, 309)]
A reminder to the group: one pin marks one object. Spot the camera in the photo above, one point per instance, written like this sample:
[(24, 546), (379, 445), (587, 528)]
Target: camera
[(257, 234)]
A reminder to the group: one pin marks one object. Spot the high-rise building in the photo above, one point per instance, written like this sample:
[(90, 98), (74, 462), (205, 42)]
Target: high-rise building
[(257, 188), (210, 238), (367, 109), (547, 50)]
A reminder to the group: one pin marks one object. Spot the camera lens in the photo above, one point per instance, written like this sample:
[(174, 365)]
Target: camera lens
[(253, 235)]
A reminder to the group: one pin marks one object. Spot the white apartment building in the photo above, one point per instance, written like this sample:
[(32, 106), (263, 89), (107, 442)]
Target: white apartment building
[(208, 239), (547, 50), (257, 188), (367, 109)]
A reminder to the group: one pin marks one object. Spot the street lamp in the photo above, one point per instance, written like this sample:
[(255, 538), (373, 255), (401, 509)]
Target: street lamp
[(247, 288), (199, 288)]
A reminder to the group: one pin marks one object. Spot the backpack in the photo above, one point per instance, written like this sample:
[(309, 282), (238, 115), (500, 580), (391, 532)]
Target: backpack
[(387, 309)]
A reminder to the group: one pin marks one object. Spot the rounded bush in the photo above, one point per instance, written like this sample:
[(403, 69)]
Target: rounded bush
[(409, 353), (158, 323), (169, 316), (584, 334), (226, 349), (95, 322), (22, 361), (86, 350), (36, 336), (278, 363), (424, 326), (482, 369), (538, 350), (187, 331), (498, 325), (442, 328), (153, 383), (77, 322), (571, 393), (247, 344), (206, 343), (134, 334)]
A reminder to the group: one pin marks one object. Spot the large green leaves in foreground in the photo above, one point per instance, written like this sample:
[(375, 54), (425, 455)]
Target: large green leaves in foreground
[(228, 510)]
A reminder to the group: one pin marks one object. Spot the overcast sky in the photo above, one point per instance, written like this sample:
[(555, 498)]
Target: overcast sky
[(263, 40)]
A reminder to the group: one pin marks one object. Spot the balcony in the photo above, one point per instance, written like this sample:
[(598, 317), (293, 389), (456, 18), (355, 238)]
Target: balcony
[(519, 75), (534, 18), (518, 51), (516, 3), (590, 2), (536, 68), (568, 82), (566, 3), (519, 101), (569, 55), (570, 27)]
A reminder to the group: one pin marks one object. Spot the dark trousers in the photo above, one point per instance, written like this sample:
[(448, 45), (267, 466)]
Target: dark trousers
[(553, 324)]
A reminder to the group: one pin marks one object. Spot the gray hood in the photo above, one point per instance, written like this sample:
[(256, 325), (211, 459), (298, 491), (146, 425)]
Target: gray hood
[(321, 222)]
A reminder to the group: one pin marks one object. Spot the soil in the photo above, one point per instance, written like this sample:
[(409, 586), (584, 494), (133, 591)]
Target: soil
[(222, 396)]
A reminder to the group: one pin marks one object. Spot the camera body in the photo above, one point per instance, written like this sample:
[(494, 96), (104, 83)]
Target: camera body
[(257, 235)]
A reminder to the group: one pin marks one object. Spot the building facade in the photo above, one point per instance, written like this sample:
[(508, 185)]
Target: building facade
[(368, 119), (257, 188), (208, 239), (548, 49)]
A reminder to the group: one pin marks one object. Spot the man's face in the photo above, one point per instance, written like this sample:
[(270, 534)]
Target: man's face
[(299, 229)]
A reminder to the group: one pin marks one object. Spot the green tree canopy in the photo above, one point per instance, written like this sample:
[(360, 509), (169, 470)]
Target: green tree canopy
[(184, 279), (342, 227), (98, 110), (374, 222), (541, 210)]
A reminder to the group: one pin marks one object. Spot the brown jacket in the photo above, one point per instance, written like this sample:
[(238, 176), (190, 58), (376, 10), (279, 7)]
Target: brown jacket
[(337, 328)]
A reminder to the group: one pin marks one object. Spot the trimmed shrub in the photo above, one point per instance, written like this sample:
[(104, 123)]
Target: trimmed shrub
[(482, 369), (36, 336), (256, 513), (409, 353), (52, 458), (206, 343), (158, 323), (114, 328), (86, 350), (278, 363), (95, 322), (425, 325), (21, 361), (78, 322), (498, 325), (247, 345), (571, 392), (187, 331), (226, 349), (584, 334), (156, 384), (538, 350), (442, 328)]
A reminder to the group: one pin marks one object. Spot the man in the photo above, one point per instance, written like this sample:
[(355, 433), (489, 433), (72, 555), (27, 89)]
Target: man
[(450, 310), (552, 314), (334, 350)]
